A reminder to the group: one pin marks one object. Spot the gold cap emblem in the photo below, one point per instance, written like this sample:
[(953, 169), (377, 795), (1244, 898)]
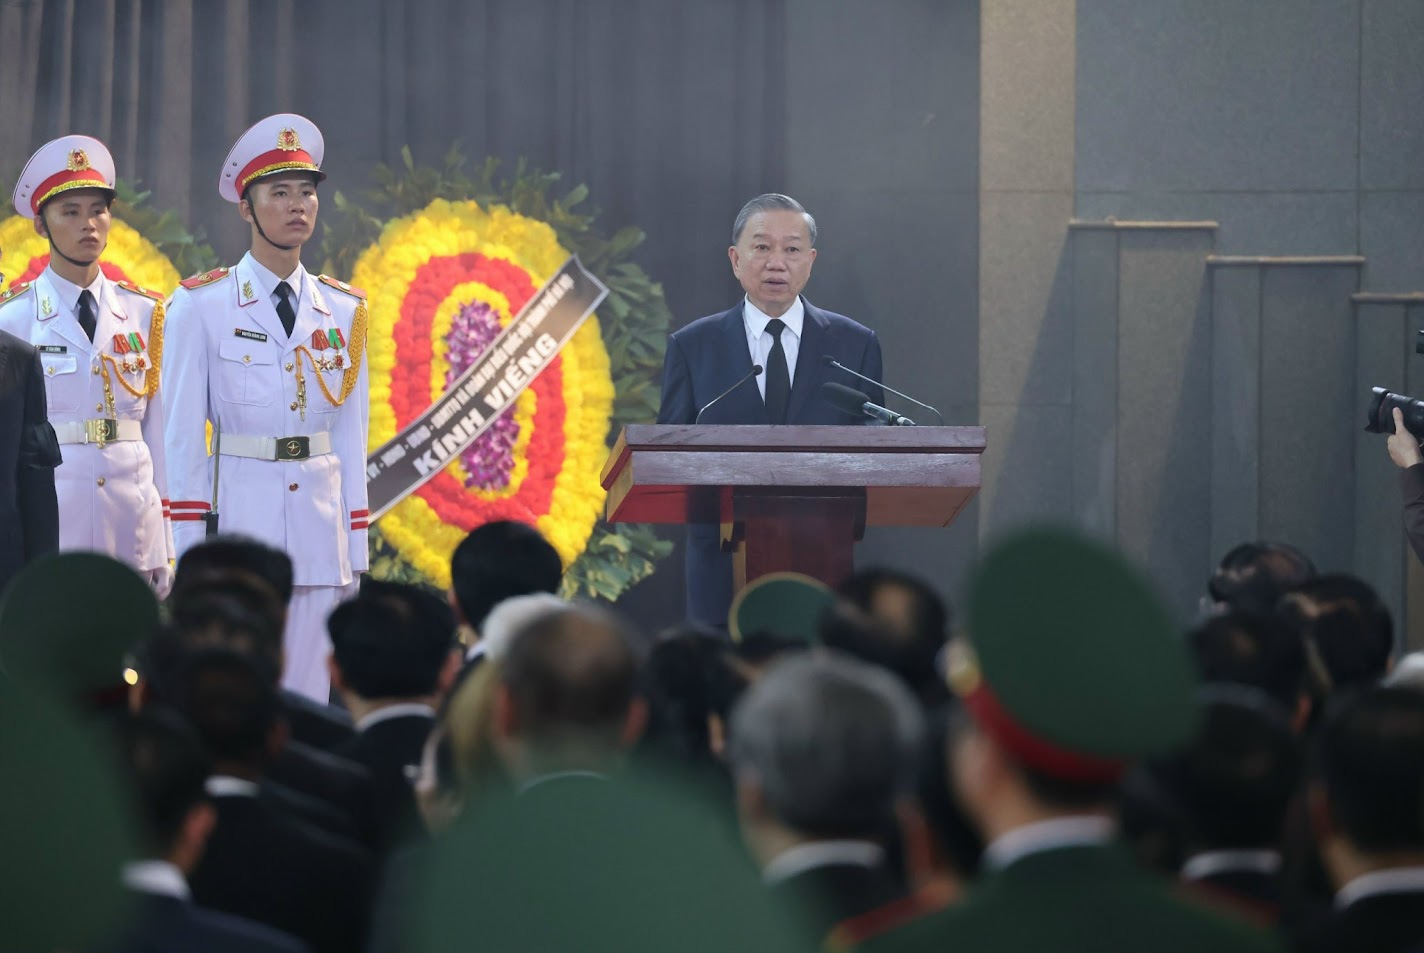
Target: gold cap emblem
[(78, 160), (962, 667), (287, 140)]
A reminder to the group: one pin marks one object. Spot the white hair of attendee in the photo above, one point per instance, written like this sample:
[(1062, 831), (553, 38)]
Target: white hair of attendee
[(1408, 672), (822, 748), (512, 616)]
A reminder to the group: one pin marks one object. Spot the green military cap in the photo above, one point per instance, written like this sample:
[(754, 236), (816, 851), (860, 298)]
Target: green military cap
[(70, 619), (1072, 662), (785, 604)]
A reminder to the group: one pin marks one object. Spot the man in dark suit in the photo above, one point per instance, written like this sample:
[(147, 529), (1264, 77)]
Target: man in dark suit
[(814, 824), (393, 657), (262, 861), (773, 249), (1365, 807), (167, 770), (29, 452)]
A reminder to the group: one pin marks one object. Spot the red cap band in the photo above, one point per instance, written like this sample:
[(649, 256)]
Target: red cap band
[(63, 182), (1033, 751), (276, 160)]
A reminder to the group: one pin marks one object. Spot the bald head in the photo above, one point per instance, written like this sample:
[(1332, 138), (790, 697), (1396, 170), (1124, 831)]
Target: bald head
[(569, 680)]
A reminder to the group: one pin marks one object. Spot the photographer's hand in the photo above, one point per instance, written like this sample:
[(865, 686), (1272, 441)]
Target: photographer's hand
[(1403, 445)]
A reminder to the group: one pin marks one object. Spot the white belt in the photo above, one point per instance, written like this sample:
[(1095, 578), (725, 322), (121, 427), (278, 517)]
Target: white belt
[(274, 448), (100, 430)]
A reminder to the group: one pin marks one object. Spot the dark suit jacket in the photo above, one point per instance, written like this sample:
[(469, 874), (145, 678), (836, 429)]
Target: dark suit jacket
[(386, 749), (263, 864), (337, 781), (1075, 900), (1412, 482), (1381, 923), (312, 723), (825, 896), (29, 452), (1255, 893), (162, 924), (708, 356)]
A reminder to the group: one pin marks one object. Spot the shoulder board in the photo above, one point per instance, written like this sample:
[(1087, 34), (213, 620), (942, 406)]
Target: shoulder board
[(852, 933), (15, 291), (135, 289), (197, 281), (352, 290)]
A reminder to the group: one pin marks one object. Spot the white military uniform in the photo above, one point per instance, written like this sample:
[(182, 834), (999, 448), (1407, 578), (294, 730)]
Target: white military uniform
[(112, 492), (228, 360)]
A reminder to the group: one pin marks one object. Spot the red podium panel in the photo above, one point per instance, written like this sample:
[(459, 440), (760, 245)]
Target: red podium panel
[(792, 498)]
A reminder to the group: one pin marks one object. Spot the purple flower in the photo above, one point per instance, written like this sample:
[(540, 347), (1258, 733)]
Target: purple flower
[(490, 459)]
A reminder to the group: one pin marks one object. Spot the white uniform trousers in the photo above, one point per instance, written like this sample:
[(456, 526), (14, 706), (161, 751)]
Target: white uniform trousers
[(306, 641)]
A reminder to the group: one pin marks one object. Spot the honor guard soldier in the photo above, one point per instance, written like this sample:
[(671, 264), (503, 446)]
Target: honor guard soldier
[(100, 342), (271, 357)]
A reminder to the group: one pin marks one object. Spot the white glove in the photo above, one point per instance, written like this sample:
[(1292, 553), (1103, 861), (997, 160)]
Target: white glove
[(161, 579)]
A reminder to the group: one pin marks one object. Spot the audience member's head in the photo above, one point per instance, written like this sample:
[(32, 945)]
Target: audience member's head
[(499, 560), (1408, 672), (567, 698), (676, 683), (907, 627), (1233, 782), (1369, 783), (1345, 629), (1252, 577), (438, 794), (233, 706), (391, 643), (822, 747), (218, 554), (230, 609), (514, 615), (167, 769), (1255, 649), (468, 729)]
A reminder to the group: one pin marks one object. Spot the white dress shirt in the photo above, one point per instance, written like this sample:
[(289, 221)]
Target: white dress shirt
[(400, 710), (69, 292), (269, 280), (760, 341), (1397, 880), (803, 857), (1086, 830), (157, 877)]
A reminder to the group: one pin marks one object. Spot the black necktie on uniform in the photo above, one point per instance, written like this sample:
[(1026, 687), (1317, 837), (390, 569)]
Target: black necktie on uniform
[(88, 314), (285, 311), (778, 377)]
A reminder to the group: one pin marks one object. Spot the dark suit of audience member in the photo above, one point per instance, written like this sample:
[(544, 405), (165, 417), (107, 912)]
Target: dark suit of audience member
[(393, 657), (773, 248), (29, 453), (1365, 808), (261, 861), (814, 823), (324, 727), (167, 769)]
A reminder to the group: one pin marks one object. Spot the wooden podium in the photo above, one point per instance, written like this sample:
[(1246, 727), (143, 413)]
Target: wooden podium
[(792, 498)]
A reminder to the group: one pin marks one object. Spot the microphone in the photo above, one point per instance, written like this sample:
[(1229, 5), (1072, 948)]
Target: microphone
[(851, 401), (829, 361), (756, 369)]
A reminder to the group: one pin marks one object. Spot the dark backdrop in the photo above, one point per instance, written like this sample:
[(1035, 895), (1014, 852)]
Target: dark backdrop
[(672, 113)]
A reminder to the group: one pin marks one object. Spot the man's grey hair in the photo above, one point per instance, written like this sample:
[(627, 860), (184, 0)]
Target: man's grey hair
[(831, 741), (771, 201)]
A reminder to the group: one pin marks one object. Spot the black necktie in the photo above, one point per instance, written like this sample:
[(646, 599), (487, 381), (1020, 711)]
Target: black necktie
[(285, 311), (88, 314), (778, 378)]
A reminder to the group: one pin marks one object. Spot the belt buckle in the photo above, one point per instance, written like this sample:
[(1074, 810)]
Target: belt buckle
[(293, 448), (101, 430)]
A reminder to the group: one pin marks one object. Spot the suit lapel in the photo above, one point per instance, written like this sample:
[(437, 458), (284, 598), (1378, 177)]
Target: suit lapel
[(735, 354), (50, 312), (809, 371), (255, 303)]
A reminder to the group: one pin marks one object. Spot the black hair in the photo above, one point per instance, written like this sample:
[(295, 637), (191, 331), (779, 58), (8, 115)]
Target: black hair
[(1255, 649), (231, 704), (218, 553), (1253, 576), (498, 561), (1370, 759), (1235, 779), (392, 640), (232, 609), (1346, 631)]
